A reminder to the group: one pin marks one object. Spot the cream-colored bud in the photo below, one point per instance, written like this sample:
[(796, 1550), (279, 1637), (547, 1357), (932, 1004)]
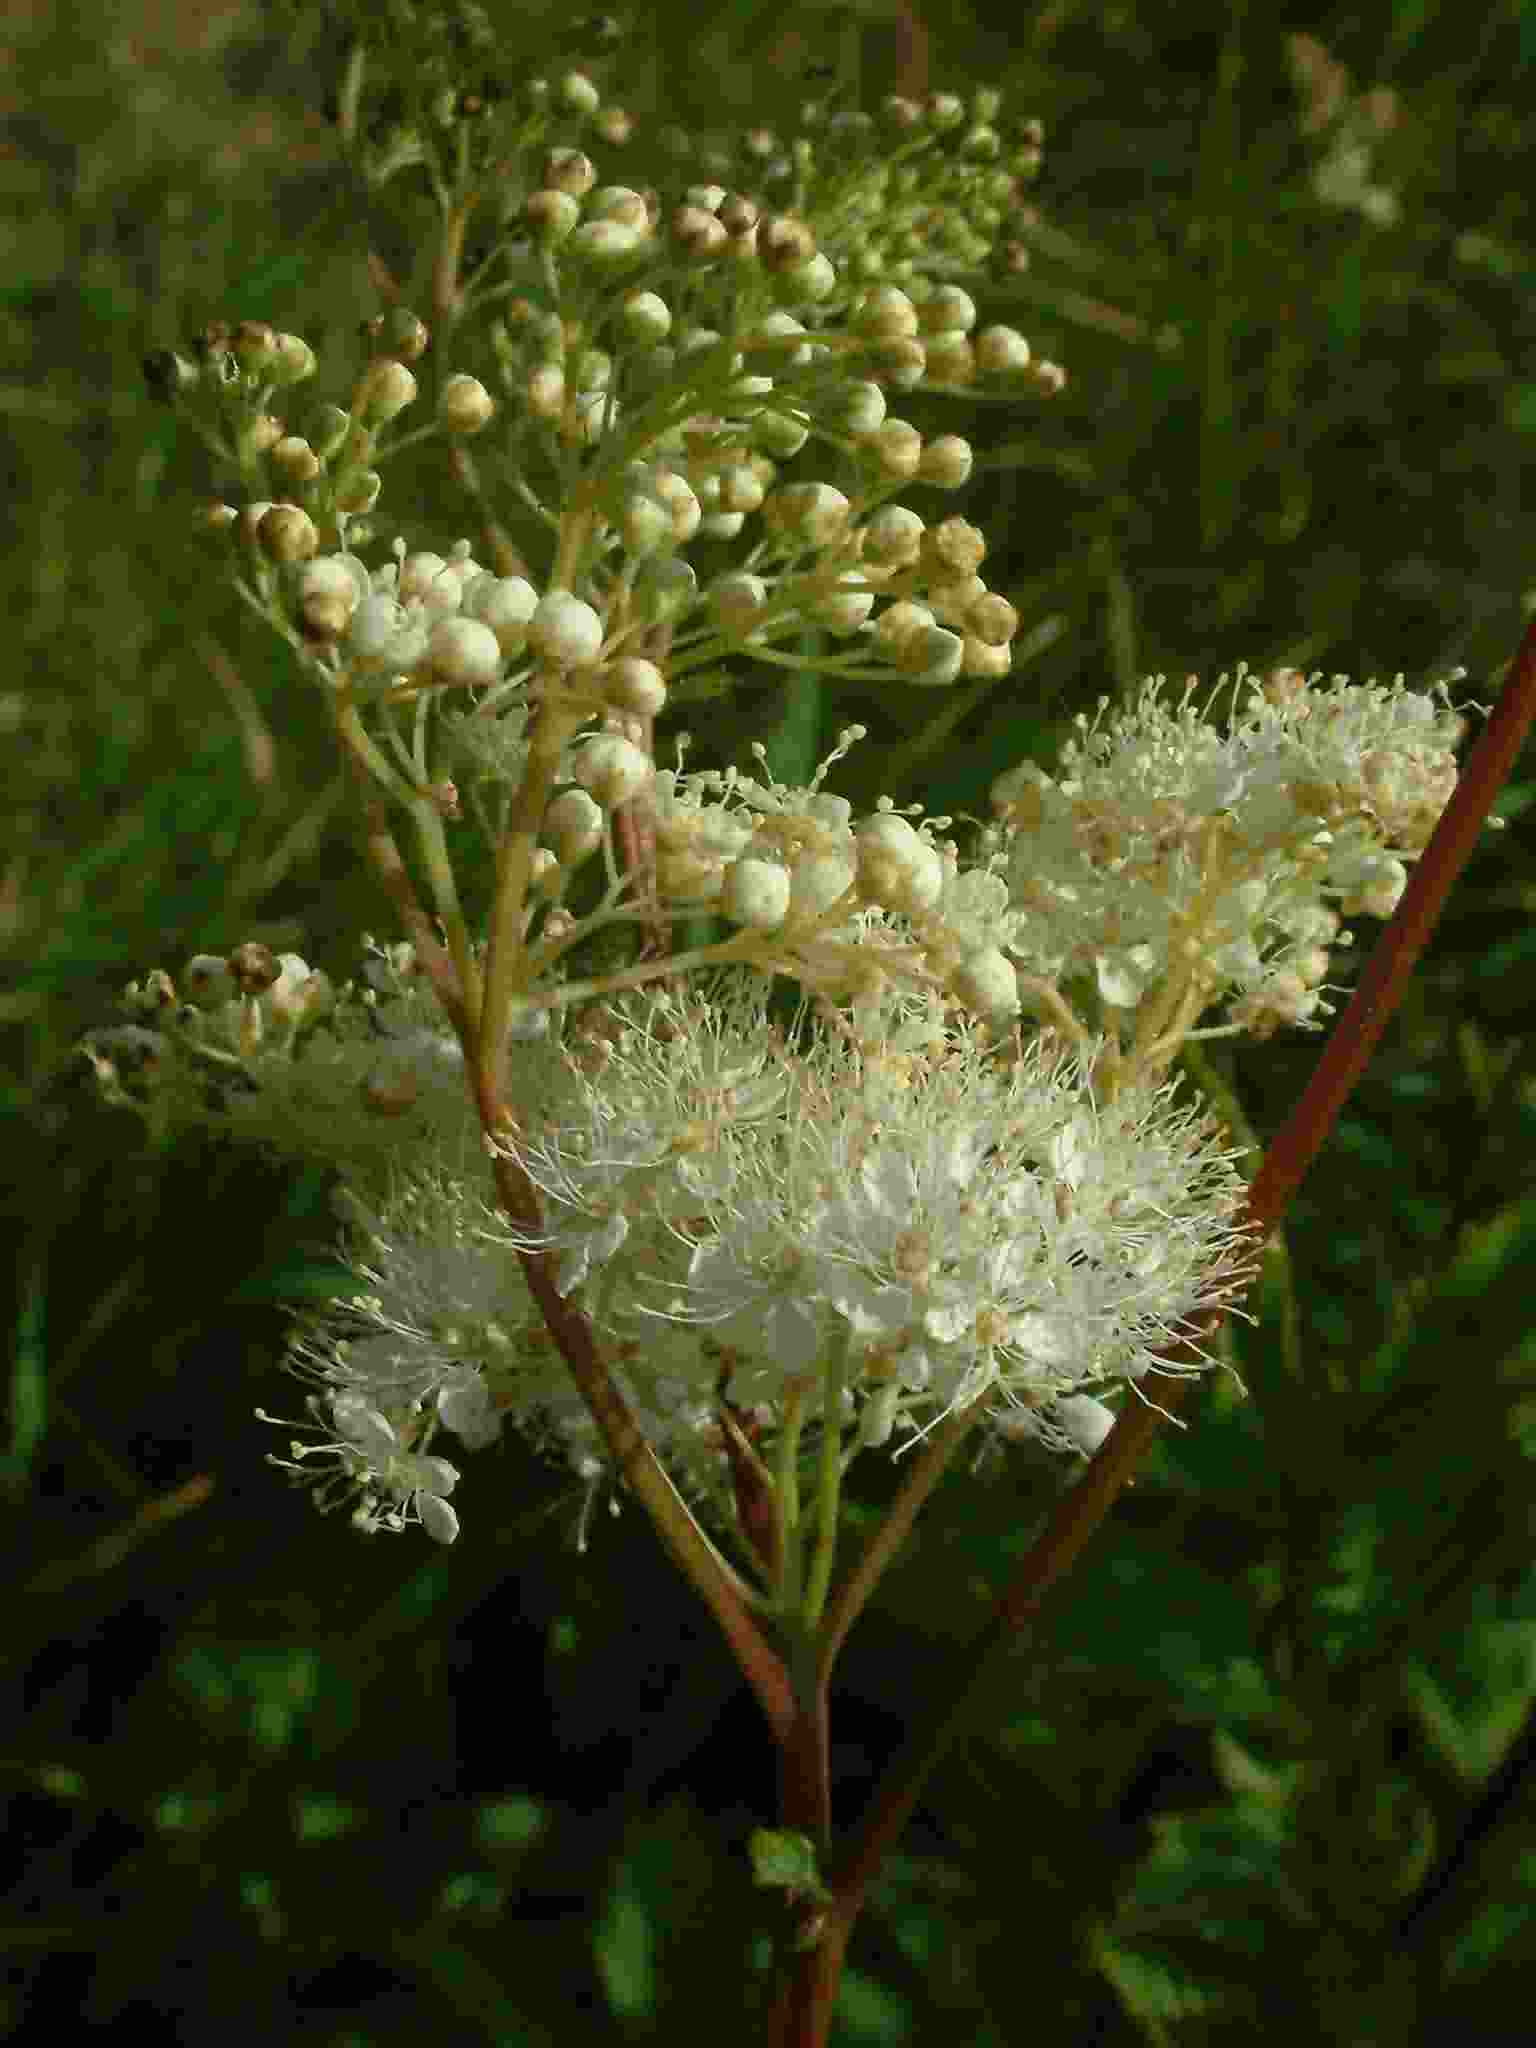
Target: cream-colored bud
[(565, 630), (1001, 352), (621, 203), (893, 536), (635, 685), (932, 656), (951, 359), (985, 982), (946, 461), (741, 489), (898, 447), (287, 533), (359, 492), (818, 880), (607, 244), (897, 868), (387, 388), (1050, 379), (294, 460), (573, 825), (781, 434), (901, 365), (505, 604), (569, 170), (464, 651), (645, 523), (777, 339), (846, 606), (737, 602), (677, 495), (814, 514), (756, 893), (947, 310), (982, 658), (464, 405), (251, 517), (546, 391), (613, 768), (885, 313), (552, 214), (698, 234), (953, 548), (809, 285), (785, 243), (858, 409), (992, 619)]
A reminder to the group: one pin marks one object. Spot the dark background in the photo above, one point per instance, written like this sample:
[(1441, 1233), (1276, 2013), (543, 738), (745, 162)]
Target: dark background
[(1262, 1767)]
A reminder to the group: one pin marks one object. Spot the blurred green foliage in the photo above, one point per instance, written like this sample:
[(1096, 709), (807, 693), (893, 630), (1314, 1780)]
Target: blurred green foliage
[(1266, 1764)]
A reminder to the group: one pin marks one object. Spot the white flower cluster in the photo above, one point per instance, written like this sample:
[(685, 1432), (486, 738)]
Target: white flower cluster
[(946, 1226), (1169, 859)]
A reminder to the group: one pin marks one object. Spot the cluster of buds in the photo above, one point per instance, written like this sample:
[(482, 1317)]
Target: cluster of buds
[(1348, 129)]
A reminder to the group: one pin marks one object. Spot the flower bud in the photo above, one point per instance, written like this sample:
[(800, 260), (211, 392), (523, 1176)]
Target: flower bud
[(505, 604), (613, 768), (293, 359), (756, 893), (698, 234), (579, 93), (901, 365), (387, 388), (844, 609), (809, 285), (573, 825), (1001, 352), (947, 310), (952, 549), (741, 489), (569, 171), (359, 492), (399, 332), (551, 213), (781, 434), (858, 409), (981, 658), (818, 880), (785, 244), (813, 514), (885, 314), (931, 657), (287, 534), (464, 651), (294, 460), (665, 588), (207, 981), (546, 391), (897, 446), (623, 204), (946, 461), (898, 869), (608, 244), (565, 630), (645, 524), (992, 619), (635, 685), (985, 982), (464, 405), (254, 967), (646, 316), (677, 495), (737, 602), (893, 537)]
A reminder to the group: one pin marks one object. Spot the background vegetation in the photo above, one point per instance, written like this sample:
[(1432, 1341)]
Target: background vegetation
[(1263, 1767)]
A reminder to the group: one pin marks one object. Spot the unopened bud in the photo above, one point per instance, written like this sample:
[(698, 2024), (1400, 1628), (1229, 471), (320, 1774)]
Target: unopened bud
[(464, 405), (387, 388)]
